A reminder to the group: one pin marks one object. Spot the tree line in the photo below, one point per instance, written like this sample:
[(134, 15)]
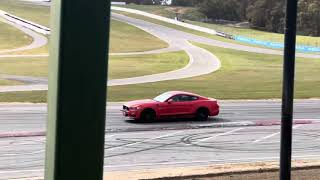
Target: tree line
[(262, 14), (266, 15)]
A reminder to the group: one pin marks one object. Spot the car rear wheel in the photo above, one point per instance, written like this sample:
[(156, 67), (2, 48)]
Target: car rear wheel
[(202, 114), (148, 116)]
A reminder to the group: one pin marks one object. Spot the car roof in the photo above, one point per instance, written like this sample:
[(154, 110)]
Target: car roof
[(182, 92)]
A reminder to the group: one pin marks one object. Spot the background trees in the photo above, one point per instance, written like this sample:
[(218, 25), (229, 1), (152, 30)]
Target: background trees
[(266, 15)]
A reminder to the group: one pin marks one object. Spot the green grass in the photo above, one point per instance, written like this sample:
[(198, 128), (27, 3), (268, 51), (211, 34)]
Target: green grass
[(29, 96), (123, 37), (25, 67), (119, 66), (193, 15), (36, 13), (180, 28), (138, 65), (11, 37), (243, 76), (128, 38), (257, 34)]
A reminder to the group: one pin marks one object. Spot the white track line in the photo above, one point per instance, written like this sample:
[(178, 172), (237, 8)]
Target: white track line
[(221, 134), (274, 134), (147, 140)]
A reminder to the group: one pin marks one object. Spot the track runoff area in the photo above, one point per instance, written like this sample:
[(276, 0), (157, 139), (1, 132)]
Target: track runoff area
[(245, 131)]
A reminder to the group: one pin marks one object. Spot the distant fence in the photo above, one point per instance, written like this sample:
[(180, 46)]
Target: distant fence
[(275, 45)]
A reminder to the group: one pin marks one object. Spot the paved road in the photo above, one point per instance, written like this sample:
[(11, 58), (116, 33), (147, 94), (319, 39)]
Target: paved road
[(32, 117), (38, 40), (204, 40), (178, 143), (201, 61), (131, 146)]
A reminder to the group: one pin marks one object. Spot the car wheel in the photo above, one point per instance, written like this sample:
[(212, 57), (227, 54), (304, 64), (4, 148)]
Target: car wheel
[(148, 116), (202, 114)]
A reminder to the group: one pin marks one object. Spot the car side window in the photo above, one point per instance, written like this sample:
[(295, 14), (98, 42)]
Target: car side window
[(176, 98), (193, 98), (184, 98)]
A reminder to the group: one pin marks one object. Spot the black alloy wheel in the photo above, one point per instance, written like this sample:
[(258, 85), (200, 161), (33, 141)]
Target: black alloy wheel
[(148, 116)]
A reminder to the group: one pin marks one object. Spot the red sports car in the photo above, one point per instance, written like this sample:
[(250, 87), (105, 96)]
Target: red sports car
[(172, 104)]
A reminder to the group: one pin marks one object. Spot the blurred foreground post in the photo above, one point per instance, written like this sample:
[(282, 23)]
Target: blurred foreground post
[(77, 89), (288, 90)]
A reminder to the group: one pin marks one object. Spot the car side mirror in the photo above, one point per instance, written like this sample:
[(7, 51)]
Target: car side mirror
[(170, 101)]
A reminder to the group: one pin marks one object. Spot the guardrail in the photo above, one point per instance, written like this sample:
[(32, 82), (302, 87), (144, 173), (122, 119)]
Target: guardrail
[(25, 23)]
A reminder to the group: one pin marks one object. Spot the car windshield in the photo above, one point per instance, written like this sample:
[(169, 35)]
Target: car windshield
[(163, 97)]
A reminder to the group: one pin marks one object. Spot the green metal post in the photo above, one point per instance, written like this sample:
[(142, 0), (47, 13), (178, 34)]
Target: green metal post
[(77, 89)]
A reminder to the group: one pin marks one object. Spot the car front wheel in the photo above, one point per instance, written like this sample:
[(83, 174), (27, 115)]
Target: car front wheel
[(148, 116)]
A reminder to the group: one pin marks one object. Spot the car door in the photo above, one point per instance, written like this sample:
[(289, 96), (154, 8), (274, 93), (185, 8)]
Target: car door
[(164, 108), (168, 108), (181, 105), (186, 104)]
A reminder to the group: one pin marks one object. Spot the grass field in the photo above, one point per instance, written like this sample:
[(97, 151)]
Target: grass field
[(123, 37), (127, 38), (192, 14), (37, 67), (243, 76), (180, 28), (119, 66), (26, 10), (29, 96), (257, 34), (138, 65), (11, 37)]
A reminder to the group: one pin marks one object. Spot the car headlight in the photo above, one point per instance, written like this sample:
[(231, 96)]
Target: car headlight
[(134, 108)]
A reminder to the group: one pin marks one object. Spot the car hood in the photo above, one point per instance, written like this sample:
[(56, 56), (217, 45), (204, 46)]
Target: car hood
[(139, 102)]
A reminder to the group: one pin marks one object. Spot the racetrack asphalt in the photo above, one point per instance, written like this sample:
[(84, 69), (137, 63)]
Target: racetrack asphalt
[(168, 143)]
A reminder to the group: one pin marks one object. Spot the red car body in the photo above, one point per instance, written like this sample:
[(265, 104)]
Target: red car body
[(172, 104)]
